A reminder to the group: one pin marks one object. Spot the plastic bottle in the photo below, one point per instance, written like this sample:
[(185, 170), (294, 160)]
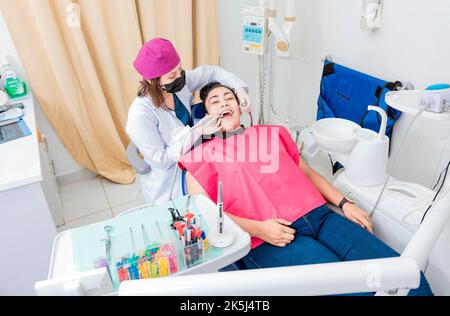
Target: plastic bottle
[(11, 82)]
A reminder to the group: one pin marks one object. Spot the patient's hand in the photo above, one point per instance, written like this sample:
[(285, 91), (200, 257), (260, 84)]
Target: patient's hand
[(276, 232), (358, 216)]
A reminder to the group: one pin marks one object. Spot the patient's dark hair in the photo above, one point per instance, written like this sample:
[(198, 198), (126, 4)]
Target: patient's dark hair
[(204, 92)]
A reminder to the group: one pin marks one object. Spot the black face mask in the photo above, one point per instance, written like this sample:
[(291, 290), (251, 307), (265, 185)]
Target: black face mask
[(177, 85)]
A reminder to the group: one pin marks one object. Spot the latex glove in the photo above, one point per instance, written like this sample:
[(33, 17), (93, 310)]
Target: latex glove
[(358, 216), (244, 100), (276, 232), (208, 125)]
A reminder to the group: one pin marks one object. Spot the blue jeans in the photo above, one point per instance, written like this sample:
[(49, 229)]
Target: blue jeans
[(323, 236)]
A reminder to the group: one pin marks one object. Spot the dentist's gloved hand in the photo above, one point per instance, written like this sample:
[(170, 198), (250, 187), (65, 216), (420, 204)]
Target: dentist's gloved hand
[(244, 100), (208, 125)]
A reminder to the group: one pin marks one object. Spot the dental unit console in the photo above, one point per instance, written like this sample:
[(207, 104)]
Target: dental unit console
[(436, 98)]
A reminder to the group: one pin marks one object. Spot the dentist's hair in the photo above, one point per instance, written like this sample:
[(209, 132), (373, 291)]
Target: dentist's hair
[(204, 92), (152, 89)]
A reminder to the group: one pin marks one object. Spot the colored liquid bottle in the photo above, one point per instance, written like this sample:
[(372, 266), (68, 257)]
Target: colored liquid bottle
[(143, 271), (14, 87), (154, 270), (163, 267)]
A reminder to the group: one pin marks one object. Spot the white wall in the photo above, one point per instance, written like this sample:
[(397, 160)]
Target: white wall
[(64, 163), (412, 45)]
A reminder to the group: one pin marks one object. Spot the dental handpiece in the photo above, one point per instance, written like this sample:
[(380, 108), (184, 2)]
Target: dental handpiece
[(220, 207)]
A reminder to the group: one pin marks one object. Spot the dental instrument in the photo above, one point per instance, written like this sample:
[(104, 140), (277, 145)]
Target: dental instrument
[(176, 217), (144, 234), (108, 229), (220, 238), (133, 244), (5, 108), (188, 203), (189, 217)]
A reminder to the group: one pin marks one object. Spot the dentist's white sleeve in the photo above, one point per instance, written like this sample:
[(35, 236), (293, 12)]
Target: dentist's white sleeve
[(201, 76), (144, 133)]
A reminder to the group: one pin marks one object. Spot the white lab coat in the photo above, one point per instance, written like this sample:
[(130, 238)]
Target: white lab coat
[(162, 138)]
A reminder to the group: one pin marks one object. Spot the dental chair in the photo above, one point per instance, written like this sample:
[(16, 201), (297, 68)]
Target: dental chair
[(345, 93), (142, 168)]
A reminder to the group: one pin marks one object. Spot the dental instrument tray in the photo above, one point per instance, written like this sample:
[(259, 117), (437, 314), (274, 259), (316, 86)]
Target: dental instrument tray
[(145, 243)]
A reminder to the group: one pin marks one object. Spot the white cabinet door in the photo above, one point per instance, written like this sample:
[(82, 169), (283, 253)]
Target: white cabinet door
[(50, 185)]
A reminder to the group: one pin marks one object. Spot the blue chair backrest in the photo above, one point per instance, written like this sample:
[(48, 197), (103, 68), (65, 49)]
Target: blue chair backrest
[(346, 93), (198, 112)]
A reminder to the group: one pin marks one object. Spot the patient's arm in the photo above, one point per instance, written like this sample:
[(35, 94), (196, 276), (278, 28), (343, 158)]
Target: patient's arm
[(333, 196), (273, 231), (329, 192)]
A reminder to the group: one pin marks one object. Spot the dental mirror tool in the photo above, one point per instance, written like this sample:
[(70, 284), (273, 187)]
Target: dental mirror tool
[(220, 238), (108, 229)]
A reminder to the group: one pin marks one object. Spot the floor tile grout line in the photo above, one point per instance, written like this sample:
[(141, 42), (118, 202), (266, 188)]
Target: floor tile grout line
[(130, 202), (85, 216), (93, 213), (90, 212), (133, 198), (107, 198)]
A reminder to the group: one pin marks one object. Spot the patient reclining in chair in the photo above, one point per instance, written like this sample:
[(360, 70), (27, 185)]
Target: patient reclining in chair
[(273, 195)]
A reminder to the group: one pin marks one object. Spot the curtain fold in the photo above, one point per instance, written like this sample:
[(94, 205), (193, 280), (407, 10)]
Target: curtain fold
[(78, 56)]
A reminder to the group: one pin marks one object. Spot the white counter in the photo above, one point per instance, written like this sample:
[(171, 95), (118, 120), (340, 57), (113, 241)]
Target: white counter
[(19, 159), (26, 223)]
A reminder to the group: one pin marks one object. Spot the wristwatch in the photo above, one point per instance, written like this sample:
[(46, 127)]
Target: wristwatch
[(345, 200)]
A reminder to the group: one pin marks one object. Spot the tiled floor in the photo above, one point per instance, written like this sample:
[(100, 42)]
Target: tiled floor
[(93, 200)]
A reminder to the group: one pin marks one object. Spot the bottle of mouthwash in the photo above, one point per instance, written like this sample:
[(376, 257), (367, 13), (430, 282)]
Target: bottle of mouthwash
[(11, 82)]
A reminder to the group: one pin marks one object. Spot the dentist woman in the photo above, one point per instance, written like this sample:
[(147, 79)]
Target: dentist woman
[(159, 119)]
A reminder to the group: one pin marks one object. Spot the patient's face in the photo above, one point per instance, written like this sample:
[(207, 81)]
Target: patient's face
[(221, 101)]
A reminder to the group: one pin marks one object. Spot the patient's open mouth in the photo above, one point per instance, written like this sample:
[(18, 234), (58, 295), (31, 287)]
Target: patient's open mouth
[(226, 114)]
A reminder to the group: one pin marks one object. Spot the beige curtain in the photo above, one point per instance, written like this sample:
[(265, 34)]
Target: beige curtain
[(78, 56)]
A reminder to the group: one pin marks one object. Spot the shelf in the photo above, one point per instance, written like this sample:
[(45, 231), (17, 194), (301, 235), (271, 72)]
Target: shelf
[(407, 101)]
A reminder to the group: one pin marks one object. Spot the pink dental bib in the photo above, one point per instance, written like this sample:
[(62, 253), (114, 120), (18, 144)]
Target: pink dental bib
[(260, 175)]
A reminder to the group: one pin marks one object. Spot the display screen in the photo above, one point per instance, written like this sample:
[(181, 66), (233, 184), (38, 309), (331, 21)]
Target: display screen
[(253, 34)]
